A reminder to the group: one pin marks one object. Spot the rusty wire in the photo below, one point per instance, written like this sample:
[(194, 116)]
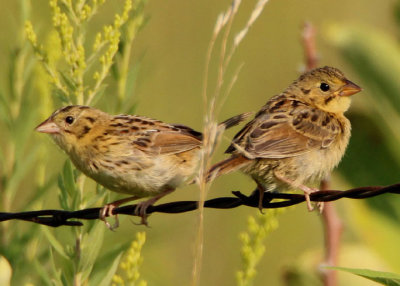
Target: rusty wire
[(56, 218)]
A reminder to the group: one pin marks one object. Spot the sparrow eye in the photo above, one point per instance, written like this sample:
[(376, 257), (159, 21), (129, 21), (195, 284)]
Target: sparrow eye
[(324, 86), (69, 119)]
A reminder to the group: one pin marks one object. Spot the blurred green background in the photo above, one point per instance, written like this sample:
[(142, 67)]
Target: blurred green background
[(359, 37)]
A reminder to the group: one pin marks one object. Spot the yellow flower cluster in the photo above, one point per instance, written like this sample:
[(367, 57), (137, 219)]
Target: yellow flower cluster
[(68, 18), (88, 11), (253, 244), (110, 36), (129, 267)]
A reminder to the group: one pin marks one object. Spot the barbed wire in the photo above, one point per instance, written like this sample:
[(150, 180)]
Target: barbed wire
[(56, 218)]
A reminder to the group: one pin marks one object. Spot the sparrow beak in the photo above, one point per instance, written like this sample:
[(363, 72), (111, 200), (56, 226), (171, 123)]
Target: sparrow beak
[(348, 89), (48, 126)]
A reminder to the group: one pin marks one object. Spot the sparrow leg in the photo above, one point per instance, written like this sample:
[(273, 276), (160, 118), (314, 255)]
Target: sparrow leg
[(307, 191), (261, 190), (140, 209), (320, 206), (108, 209)]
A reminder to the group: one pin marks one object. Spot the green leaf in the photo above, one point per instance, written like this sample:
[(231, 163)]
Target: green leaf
[(68, 81), (58, 274), (57, 246), (104, 278), (63, 195), (69, 179), (21, 169), (107, 264), (44, 274), (95, 198), (114, 70), (131, 80), (384, 278), (64, 280), (5, 113), (61, 96), (91, 245), (110, 273), (99, 94)]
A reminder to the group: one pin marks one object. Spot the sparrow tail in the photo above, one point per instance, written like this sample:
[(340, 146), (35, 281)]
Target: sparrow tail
[(226, 166), (235, 120)]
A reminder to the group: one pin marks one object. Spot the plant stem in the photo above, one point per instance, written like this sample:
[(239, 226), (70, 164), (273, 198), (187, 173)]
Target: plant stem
[(332, 224), (333, 229)]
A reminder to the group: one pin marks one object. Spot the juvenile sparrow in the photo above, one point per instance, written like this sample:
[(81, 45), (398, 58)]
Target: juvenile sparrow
[(128, 154), (298, 137)]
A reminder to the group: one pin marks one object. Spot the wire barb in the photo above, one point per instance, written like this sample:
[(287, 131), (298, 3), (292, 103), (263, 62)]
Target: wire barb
[(56, 218)]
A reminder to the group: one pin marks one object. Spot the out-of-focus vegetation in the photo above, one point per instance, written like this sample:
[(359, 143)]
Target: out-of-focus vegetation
[(381, 277), (159, 75), (69, 68)]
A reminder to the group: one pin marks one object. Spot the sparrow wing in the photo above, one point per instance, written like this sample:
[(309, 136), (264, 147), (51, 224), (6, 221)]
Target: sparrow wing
[(162, 138), (167, 142), (287, 132), (153, 136)]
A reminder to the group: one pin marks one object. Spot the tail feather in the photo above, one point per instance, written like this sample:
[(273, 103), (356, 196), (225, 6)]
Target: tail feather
[(226, 166), (235, 120)]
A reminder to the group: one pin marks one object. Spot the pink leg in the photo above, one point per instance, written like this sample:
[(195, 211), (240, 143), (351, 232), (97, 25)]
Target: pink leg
[(142, 206), (108, 209), (307, 191)]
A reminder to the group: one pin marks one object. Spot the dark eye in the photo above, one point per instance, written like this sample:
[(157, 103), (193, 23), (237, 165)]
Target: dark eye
[(69, 119), (324, 86)]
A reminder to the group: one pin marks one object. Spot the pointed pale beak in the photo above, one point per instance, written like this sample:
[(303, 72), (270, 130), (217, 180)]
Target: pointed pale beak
[(349, 88), (48, 126)]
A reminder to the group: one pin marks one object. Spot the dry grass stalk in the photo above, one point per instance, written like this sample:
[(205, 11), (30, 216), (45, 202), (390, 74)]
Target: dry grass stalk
[(211, 133)]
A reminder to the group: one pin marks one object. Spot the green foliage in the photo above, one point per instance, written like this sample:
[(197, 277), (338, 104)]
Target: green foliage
[(20, 155), (374, 155), (253, 244), (70, 73), (375, 56), (384, 278)]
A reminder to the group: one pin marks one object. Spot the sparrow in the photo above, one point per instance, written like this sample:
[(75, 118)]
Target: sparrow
[(129, 154), (297, 137)]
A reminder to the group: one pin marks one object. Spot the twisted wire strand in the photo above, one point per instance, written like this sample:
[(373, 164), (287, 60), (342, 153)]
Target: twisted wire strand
[(56, 218)]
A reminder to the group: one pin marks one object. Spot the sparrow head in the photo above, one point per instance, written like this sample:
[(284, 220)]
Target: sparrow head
[(326, 88), (70, 125)]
